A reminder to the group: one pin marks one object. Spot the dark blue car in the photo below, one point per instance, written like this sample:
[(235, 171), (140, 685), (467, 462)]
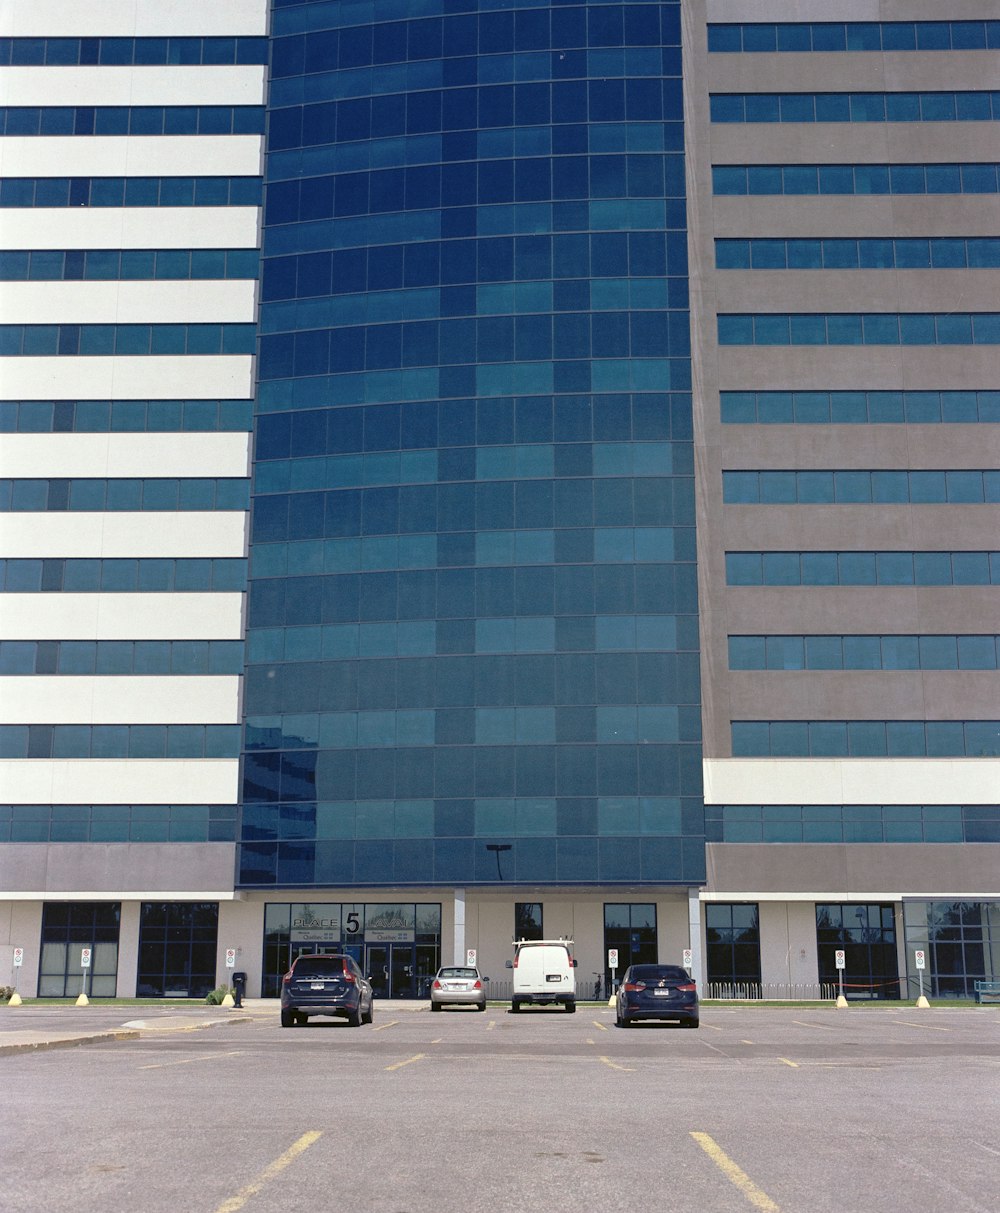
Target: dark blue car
[(325, 985), (657, 992)]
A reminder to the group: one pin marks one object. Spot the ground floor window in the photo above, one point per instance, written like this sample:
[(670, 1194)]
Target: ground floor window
[(866, 934), (961, 940), (732, 937), (528, 920), (67, 928), (631, 928), (177, 948), (396, 944)]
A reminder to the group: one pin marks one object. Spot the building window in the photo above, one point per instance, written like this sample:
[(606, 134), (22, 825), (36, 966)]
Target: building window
[(867, 936), (67, 928), (528, 920), (632, 930), (962, 942), (733, 944), (177, 949)]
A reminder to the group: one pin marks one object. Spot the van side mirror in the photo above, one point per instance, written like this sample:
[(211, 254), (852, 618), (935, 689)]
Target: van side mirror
[(574, 962), (509, 964)]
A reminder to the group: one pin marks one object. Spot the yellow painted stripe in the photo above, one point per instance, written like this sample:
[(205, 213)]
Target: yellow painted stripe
[(409, 1061), (603, 1026), (491, 1025), (793, 1064), (608, 1062), (736, 1176), (234, 1203), (186, 1061), (382, 1026)]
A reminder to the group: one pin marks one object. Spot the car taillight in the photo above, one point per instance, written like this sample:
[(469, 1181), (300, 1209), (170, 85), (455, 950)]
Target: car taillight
[(635, 985), (517, 957), (286, 979), (436, 985), (349, 977), (478, 985), (688, 989)]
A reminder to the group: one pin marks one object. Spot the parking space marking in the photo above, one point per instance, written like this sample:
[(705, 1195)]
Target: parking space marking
[(409, 1061), (186, 1061), (713, 1027), (928, 1027), (491, 1025), (382, 1026), (625, 1069), (746, 1042), (736, 1176), (602, 1026), (823, 1027), (235, 1203), (793, 1064), (438, 1041)]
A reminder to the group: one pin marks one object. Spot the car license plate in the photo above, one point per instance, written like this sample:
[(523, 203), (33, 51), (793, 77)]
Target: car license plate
[(663, 993), (317, 985), (553, 977)]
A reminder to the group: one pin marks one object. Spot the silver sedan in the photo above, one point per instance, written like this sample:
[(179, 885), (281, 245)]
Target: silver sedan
[(460, 985)]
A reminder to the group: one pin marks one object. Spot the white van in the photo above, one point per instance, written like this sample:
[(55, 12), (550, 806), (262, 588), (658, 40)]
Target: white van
[(543, 973)]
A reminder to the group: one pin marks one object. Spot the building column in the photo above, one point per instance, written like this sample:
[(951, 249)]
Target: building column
[(694, 937), (458, 952), (128, 950)]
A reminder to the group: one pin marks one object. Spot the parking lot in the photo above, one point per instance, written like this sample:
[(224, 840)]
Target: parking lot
[(790, 1110)]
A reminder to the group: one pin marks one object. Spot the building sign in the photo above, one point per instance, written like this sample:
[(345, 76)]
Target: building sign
[(328, 923), (389, 936), (311, 935)]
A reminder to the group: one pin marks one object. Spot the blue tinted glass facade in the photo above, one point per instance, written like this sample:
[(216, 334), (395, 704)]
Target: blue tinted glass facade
[(472, 635)]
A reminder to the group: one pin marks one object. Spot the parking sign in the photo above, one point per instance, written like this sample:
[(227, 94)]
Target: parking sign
[(840, 959), (688, 958), (921, 958), (230, 958), (470, 957), (18, 957), (612, 958), (85, 958)]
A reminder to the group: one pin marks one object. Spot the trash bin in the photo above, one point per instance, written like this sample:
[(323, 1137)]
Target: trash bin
[(239, 988)]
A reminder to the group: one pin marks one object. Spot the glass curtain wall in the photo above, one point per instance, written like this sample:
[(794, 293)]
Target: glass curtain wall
[(473, 640), (867, 936), (177, 948), (732, 936), (68, 928), (961, 941)]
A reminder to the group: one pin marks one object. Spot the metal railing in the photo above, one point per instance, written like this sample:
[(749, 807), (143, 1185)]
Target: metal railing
[(756, 991)]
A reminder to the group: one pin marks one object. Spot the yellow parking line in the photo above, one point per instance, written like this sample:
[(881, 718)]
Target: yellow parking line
[(746, 1042), (186, 1061), (491, 1025), (409, 1061), (929, 1027), (382, 1026), (234, 1203), (793, 1064), (735, 1175), (602, 1026), (608, 1062), (438, 1041)]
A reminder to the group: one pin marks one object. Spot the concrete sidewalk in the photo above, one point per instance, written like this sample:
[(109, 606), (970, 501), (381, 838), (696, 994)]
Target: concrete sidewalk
[(32, 1027)]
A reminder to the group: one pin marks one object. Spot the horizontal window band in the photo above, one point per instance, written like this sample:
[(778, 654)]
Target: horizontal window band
[(860, 328), (118, 823), (125, 657), (862, 568), (32, 120), (866, 738), (77, 495), (110, 51), (26, 192), (19, 741), (967, 106), (865, 254), (74, 575), (859, 652), (103, 340), (861, 179), (853, 36), (859, 408), (102, 265), (125, 416), (933, 823), (889, 487)]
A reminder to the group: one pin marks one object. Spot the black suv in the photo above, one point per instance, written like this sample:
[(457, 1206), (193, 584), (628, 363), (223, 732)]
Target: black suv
[(325, 985), (657, 992)]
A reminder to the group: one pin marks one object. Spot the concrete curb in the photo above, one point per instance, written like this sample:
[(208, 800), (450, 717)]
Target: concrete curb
[(69, 1042)]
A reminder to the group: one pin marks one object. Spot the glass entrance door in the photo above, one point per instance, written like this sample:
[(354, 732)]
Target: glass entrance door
[(390, 969)]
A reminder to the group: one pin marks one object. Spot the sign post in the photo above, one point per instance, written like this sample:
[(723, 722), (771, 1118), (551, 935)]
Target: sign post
[(85, 954), (840, 960), (15, 998), (920, 959), (613, 966)]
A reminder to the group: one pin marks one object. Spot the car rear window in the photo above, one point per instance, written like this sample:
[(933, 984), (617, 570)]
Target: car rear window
[(659, 973), (318, 966), (457, 973)]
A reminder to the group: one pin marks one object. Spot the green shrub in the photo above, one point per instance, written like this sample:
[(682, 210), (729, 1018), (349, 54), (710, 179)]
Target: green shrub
[(217, 995), (5, 993)]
